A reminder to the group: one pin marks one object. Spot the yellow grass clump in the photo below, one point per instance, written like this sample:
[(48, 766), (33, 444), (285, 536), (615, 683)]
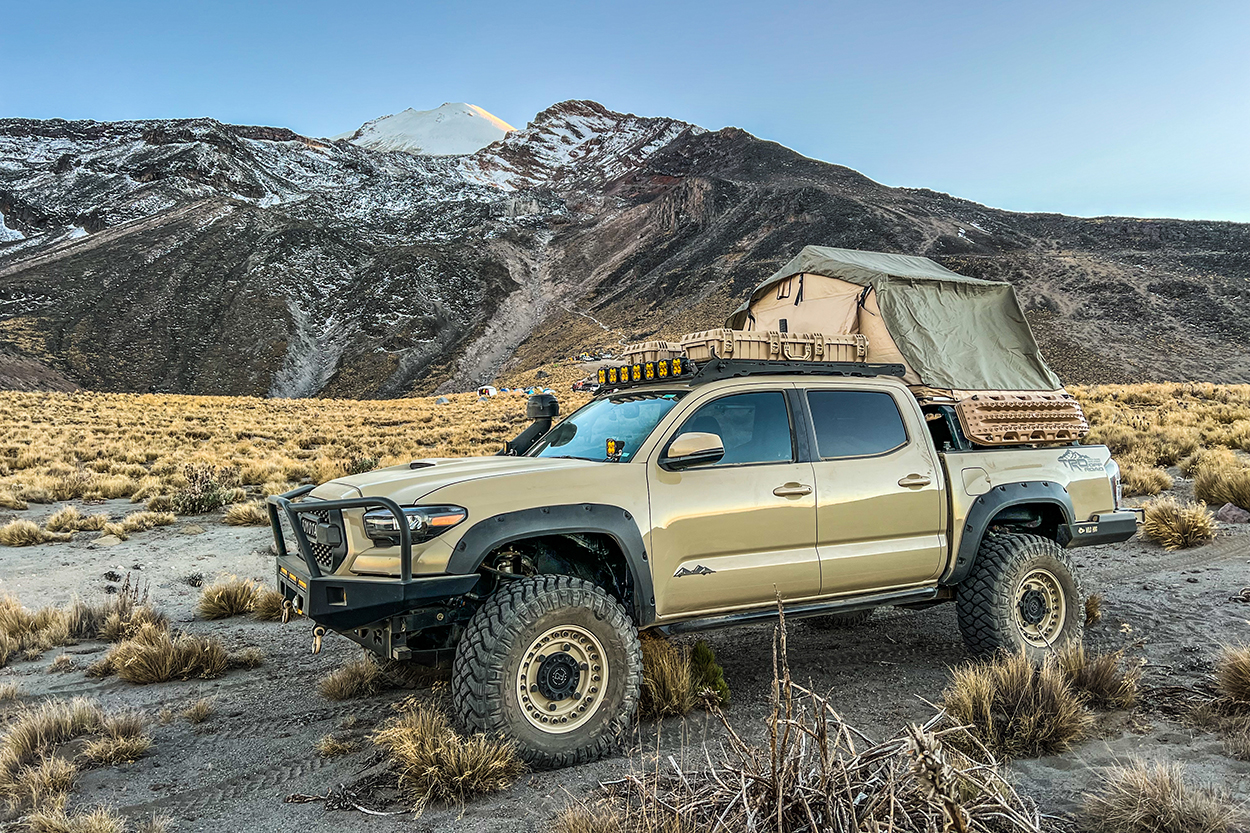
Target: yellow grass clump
[(1220, 484), (229, 596), (437, 764), (1015, 708), (138, 522), (676, 679), (200, 710), (154, 655), (1232, 674), (58, 820), (247, 514), (1156, 798), (70, 519), (1104, 681), (1144, 480), (361, 678), (1174, 525), (24, 533)]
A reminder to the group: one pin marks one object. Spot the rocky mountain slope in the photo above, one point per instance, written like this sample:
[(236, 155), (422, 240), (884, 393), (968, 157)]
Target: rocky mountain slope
[(193, 256)]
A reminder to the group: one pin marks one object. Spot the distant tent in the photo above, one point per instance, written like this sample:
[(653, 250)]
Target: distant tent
[(951, 332)]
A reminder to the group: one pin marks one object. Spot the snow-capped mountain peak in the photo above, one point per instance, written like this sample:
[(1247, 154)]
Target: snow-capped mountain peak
[(451, 130)]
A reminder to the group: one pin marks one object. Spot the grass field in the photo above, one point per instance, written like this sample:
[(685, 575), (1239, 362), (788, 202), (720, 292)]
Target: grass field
[(168, 451)]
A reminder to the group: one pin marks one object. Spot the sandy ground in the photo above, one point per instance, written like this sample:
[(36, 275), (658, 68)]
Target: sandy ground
[(234, 771)]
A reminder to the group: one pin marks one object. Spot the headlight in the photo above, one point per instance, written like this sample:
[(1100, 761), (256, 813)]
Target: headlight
[(424, 523), (1113, 472)]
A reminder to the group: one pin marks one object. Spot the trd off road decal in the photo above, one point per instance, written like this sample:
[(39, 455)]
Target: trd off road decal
[(699, 570), (1077, 461)]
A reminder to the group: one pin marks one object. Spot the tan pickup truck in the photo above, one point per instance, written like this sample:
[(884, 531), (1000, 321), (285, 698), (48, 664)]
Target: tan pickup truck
[(690, 501)]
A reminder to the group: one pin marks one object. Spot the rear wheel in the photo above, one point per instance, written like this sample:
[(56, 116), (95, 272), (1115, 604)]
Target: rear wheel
[(1022, 595), (552, 663)]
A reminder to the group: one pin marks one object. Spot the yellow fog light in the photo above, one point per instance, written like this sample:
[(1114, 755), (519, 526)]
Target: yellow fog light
[(635, 373), (649, 370), (661, 368), (603, 375), (611, 375), (677, 367)]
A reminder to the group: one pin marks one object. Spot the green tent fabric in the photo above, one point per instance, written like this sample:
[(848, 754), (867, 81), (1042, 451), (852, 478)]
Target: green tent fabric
[(955, 332)]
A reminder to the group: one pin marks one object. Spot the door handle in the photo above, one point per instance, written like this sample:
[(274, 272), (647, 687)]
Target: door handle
[(915, 480), (792, 490)]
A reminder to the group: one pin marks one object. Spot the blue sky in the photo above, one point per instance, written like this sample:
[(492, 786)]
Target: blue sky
[(1135, 108)]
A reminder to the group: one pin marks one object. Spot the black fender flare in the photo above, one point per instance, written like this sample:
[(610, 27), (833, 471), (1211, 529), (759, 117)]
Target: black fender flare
[(988, 505), (579, 518)]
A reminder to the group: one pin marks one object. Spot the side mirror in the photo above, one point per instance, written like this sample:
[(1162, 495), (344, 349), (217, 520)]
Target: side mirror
[(694, 448)]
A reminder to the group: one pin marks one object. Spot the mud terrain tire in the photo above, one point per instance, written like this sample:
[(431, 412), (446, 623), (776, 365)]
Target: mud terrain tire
[(842, 621), (554, 636), (1022, 595)]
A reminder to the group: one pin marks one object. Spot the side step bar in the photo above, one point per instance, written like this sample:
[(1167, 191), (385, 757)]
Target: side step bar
[(899, 598)]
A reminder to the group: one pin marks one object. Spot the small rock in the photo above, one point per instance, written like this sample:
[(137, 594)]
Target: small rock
[(108, 541), (112, 575), (192, 529), (1232, 514), (542, 374), (1192, 580), (442, 400)]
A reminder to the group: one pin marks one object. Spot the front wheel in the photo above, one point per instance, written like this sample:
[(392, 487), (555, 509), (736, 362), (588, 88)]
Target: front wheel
[(1022, 595), (552, 663)]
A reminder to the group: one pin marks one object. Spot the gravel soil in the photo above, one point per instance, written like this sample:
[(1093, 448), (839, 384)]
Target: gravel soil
[(236, 770)]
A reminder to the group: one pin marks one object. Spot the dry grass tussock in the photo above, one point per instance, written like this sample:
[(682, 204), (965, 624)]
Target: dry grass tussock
[(1232, 675), (675, 679), (247, 514), (1143, 480), (99, 820), (1102, 681), (195, 454), (35, 772), (226, 597), (138, 522), (24, 533), (328, 746), (200, 711), (1227, 483), (1174, 525), (812, 772), (155, 655), (9, 692), (1014, 708), (33, 632), (437, 764), (1093, 609), (1155, 798), (361, 678)]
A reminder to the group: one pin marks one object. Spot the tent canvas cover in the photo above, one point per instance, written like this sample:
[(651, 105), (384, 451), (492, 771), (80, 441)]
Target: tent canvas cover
[(951, 332)]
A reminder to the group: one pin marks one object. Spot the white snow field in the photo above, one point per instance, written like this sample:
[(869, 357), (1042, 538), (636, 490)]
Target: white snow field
[(450, 130)]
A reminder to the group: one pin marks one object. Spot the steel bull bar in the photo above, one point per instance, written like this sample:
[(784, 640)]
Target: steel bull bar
[(343, 603)]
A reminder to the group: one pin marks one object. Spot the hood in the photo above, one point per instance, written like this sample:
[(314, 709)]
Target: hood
[(407, 484)]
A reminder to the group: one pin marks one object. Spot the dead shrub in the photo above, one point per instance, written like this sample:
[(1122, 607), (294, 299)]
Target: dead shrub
[(23, 533), (47, 781), (1015, 708), (361, 678), (676, 679), (10, 500), (207, 489), (1237, 737), (437, 764), (1155, 798), (62, 664), (226, 597), (138, 522), (154, 655), (1232, 674), (1144, 480), (247, 514), (1175, 525), (115, 618), (1103, 681), (9, 692)]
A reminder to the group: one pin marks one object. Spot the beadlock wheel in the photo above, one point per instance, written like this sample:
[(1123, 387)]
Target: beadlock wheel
[(1041, 607), (561, 681)]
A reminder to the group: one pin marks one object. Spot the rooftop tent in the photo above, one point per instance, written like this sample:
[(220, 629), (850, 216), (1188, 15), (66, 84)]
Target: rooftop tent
[(951, 332)]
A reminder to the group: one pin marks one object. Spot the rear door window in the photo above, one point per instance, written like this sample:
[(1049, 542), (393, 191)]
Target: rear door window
[(855, 423)]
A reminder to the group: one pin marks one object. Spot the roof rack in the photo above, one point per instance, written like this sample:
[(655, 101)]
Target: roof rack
[(690, 373)]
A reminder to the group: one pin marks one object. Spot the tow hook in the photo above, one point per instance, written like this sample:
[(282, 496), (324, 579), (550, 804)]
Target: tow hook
[(318, 632), (287, 607)]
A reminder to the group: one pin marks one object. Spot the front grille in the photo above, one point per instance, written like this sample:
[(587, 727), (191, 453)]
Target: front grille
[(328, 556)]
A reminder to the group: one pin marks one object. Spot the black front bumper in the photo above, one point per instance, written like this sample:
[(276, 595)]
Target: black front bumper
[(1107, 528), (343, 603)]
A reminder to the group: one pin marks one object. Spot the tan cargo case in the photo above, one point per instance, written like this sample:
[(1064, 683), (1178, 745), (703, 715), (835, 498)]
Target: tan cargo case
[(773, 345), (651, 351), (1021, 418)]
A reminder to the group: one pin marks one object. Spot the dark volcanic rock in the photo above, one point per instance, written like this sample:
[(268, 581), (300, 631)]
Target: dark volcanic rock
[(207, 258)]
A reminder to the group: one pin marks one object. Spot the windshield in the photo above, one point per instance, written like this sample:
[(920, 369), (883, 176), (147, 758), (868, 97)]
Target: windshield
[(625, 419)]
